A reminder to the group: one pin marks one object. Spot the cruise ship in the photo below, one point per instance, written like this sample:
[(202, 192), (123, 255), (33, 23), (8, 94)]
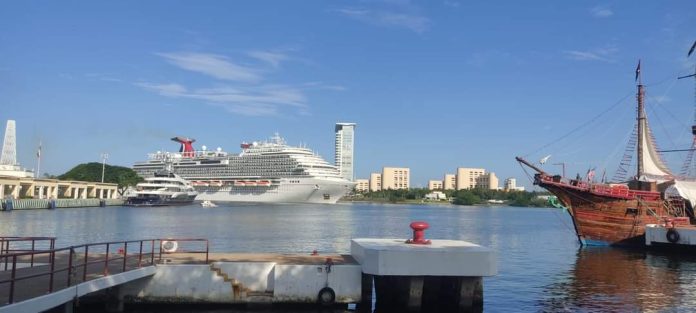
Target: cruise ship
[(267, 171)]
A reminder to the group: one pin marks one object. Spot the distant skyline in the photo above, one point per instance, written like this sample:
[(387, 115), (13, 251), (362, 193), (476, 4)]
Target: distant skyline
[(433, 85)]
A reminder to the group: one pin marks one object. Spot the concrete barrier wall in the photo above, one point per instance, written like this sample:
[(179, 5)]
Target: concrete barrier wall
[(24, 204), (76, 203), (254, 281), (254, 276), (301, 283), (181, 283), (33, 204), (114, 202)]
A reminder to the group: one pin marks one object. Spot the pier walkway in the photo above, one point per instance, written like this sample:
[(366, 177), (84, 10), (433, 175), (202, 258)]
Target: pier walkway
[(34, 279)]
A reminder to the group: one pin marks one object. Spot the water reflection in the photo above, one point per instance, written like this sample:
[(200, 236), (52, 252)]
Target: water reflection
[(617, 280)]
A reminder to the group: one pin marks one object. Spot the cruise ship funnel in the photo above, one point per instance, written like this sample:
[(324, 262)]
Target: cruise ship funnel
[(186, 145)]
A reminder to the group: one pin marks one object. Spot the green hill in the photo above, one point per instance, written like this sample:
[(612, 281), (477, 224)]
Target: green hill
[(120, 175)]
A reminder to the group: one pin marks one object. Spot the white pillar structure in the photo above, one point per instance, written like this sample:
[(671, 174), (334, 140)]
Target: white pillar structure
[(15, 191)]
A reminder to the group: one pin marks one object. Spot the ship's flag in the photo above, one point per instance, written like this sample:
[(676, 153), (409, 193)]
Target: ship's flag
[(691, 50), (544, 159), (590, 174), (638, 70)]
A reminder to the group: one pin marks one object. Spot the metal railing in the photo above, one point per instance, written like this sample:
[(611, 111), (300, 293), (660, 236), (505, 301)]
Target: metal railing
[(25, 244), (65, 267)]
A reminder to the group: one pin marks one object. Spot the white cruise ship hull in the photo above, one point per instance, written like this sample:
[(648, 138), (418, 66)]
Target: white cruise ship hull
[(303, 190)]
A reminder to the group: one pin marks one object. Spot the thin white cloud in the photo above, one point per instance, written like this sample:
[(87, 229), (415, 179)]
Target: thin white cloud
[(254, 100), (412, 22), (272, 58), (601, 54), (246, 95), (212, 65), (601, 12)]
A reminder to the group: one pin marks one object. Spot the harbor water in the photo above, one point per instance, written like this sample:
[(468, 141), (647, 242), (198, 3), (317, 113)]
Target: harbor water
[(541, 266)]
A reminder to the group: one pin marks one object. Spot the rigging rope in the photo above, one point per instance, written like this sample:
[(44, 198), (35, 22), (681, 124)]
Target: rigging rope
[(581, 126)]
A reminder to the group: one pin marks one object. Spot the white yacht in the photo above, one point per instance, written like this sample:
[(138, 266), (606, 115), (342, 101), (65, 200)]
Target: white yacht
[(268, 171), (162, 189)]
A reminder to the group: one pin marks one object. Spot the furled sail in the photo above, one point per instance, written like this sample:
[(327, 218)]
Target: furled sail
[(654, 169)]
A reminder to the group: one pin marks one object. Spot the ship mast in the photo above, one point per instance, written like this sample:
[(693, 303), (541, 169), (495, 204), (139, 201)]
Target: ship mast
[(641, 121)]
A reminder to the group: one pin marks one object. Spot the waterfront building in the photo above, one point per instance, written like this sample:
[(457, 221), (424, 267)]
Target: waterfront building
[(13, 187), (511, 185), (434, 185), (449, 182), (436, 195), (396, 177), (344, 148), (375, 182), (469, 178), (8, 160), (363, 185)]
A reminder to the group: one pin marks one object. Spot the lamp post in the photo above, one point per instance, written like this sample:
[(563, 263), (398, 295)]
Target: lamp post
[(104, 157)]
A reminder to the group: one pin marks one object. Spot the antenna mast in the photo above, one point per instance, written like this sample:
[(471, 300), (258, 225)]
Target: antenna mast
[(641, 121)]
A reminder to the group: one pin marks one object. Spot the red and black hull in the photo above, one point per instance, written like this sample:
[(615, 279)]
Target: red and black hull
[(602, 217)]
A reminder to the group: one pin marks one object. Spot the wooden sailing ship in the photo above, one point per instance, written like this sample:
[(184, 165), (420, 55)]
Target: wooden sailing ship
[(616, 214)]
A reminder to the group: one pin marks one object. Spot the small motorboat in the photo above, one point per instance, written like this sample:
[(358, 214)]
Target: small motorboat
[(208, 204)]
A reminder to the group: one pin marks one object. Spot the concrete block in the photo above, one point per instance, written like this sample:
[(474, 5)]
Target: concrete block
[(441, 258)]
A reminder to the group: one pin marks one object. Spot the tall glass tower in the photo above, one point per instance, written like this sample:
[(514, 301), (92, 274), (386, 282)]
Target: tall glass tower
[(345, 139)]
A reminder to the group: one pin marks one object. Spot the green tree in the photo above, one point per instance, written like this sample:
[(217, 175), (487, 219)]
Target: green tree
[(120, 175)]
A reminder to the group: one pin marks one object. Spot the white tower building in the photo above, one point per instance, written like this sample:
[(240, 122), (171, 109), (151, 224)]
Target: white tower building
[(9, 148), (8, 159), (345, 140)]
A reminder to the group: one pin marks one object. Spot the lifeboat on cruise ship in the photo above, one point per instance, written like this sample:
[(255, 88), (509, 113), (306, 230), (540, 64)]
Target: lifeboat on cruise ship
[(239, 183), (264, 183), (216, 183), (250, 183)]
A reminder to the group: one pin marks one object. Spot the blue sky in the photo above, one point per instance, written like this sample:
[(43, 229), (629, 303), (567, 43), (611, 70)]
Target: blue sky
[(432, 85)]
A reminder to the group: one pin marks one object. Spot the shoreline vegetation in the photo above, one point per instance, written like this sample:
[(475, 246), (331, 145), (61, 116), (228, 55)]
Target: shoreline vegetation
[(477, 197)]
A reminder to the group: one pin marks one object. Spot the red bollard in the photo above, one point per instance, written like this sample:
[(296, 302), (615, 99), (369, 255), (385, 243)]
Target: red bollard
[(419, 228)]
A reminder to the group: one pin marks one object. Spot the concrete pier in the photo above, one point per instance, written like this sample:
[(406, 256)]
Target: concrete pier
[(432, 276), (417, 275)]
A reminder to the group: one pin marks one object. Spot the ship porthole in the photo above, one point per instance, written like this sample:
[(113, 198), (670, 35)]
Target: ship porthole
[(672, 235)]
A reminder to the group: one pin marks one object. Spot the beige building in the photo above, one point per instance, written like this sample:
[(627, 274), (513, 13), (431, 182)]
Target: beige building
[(363, 185), (375, 182), (396, 177), (449, 182), (434, 185), (468, 178), (30, 188), (511, 185)]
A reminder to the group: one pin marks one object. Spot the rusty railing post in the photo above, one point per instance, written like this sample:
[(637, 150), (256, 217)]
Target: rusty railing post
[(152, 254), (106, 261), (52, 257), (12, 281), (125, 255), (70, 265), (140, 255), (207, 249), (33, 242), (84, 271)]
